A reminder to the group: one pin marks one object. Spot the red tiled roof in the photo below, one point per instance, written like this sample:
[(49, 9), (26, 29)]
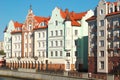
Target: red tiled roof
[(91, 18), (115, 3), (17, 24), (13, 32), (73, 16), (113, 13), (41, 19), (40, 27)]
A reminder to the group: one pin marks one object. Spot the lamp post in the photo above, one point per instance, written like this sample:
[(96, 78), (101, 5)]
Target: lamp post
[(18, 61), (35, 58)]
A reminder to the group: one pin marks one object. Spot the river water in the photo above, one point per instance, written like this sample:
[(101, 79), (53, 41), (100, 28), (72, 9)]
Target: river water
[(8, 78)]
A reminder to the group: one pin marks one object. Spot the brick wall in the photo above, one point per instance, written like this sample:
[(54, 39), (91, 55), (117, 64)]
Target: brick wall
[(92, 64)]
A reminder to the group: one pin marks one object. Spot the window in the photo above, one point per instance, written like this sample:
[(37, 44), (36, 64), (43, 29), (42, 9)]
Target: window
[(39, 54), (60, 53), (39, 35), (102, 33), (101, 11), (102, 65), (56, 42), (43, 54), (101, 43), (43, 44), (101, 22), (30, 45), (51, 43), (61, 43), (56, 54), (102, 53), (26, 36), (76, 32), (61, 33), (56, 23), (68, 54), (51, 33), (56, 32), (51, 53), (43, 34), (111, 10), (39, 44), (26, 45)]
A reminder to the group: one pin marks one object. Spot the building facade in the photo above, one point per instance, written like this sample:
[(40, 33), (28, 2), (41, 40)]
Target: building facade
[(103, 49), (58, 42), (66, 39), (8, 39)]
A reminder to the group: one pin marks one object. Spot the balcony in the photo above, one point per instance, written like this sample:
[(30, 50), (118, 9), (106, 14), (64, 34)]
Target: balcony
[(110, 38), (110, 48), (117, 27), (117, 37), (117, 47), (94, 39), (94, 29), (109, 27)]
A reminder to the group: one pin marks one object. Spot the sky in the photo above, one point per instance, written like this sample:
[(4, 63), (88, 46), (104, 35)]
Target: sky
[(17, 10)]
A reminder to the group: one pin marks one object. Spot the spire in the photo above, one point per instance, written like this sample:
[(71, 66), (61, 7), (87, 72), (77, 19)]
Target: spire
[(30, 7), (30, 10)]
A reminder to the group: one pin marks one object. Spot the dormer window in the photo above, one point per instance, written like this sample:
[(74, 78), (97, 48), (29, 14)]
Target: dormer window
[(42, 24), (111, 10)]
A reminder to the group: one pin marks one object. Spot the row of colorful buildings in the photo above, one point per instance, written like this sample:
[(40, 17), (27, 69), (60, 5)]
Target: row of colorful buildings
[(66, 40)]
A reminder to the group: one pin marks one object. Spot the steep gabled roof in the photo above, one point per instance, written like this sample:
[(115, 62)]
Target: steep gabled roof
[(72, 16), (17, 24)]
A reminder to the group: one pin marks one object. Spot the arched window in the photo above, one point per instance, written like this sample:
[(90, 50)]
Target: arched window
[(68, 65)]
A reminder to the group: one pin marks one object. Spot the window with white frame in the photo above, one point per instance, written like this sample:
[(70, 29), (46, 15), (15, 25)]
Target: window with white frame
[(61, 33), (43, 34), (56, 32), (39, 44), (101, 33), (61, 43), (39, 35), (51, 33), (76, 32), (101, 11), (60, 53), (56, 43), (102, 53), (67, 54), (51, 43), (51, 53), (101, 43), (56, 53), (101, 64), (101, 23), (111, 10)]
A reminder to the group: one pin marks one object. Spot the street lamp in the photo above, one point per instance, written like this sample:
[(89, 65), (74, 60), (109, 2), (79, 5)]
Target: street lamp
[(35, 60)]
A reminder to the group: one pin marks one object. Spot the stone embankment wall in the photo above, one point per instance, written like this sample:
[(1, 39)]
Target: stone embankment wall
[(35, 76)]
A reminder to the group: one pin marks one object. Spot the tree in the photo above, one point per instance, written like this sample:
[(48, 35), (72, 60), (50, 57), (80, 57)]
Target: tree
[(2, 52)]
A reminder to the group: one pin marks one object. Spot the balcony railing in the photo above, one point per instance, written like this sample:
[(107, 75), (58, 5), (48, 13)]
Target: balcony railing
[(94, 29), (110, 37), (117, 37), (110, 48), (117, 27), (109, 27)]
